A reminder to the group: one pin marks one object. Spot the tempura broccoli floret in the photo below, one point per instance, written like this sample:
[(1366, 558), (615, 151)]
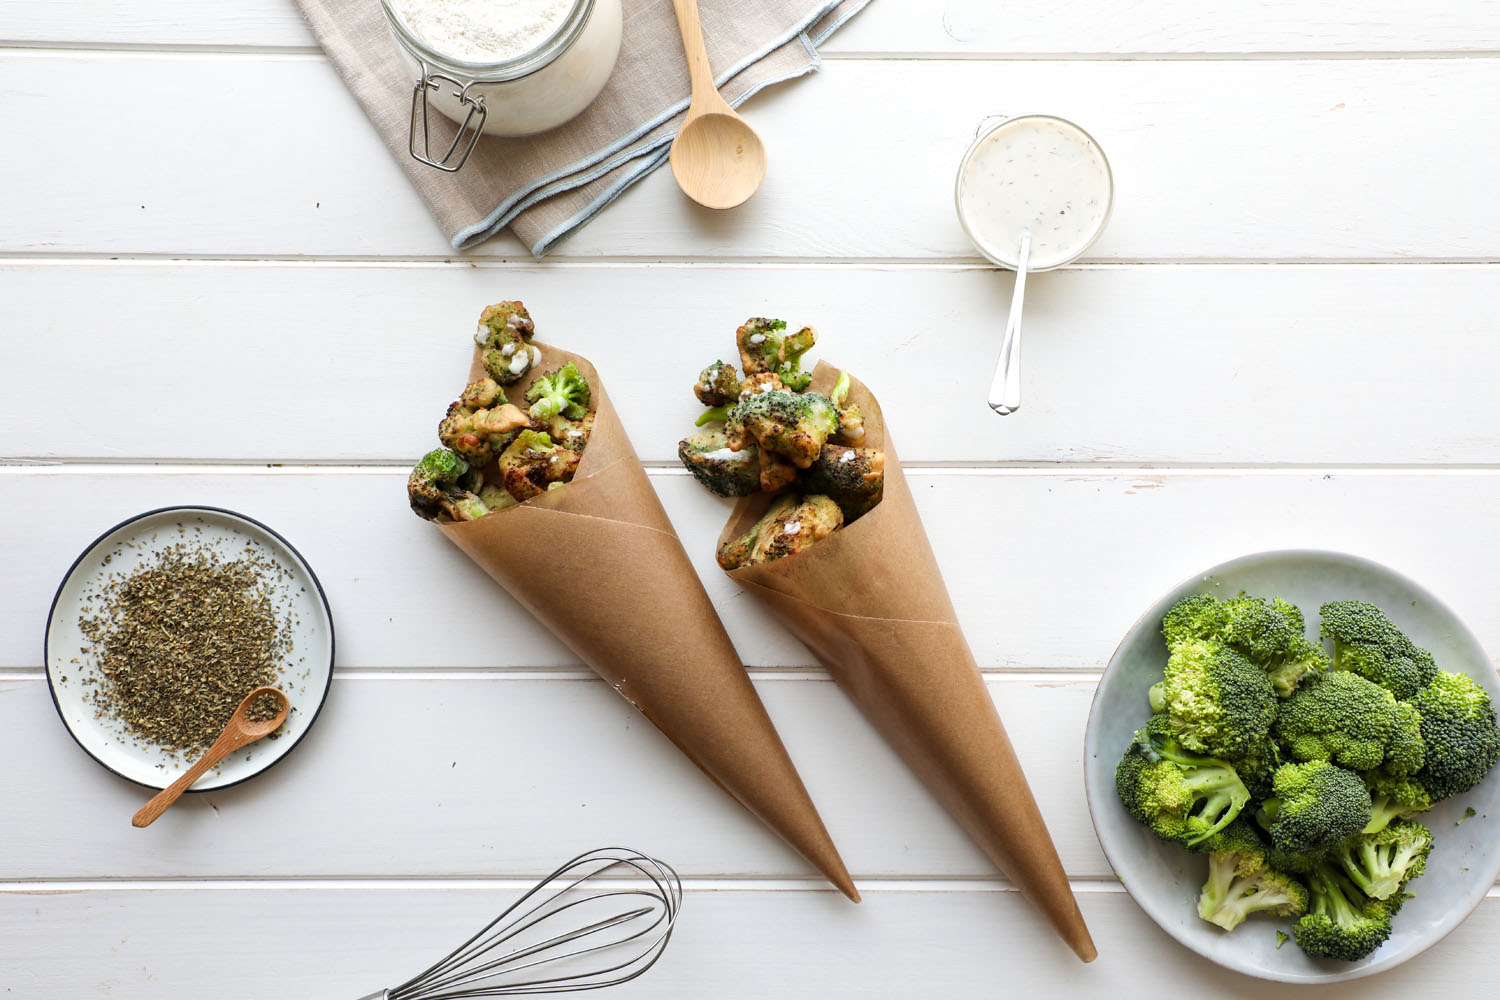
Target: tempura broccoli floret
[(1367, 642), (1182, 796), (791, 525), (480, 422), (1382, 863), (1341, 922), (1460, 733), (1241, 882), (443, 483), (766, 346), (1346, 719), (853, 477), (532, 464), (790, 424), (561, 392), (1314, 806), (1220, 702), (718, 385), (505, 331), (722, 470), (1394, 797)]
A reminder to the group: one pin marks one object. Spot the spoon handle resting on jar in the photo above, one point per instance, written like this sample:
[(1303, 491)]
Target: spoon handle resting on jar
[(1005, 388)]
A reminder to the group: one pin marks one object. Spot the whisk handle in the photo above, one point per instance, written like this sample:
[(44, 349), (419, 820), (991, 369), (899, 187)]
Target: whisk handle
[(378, 995)]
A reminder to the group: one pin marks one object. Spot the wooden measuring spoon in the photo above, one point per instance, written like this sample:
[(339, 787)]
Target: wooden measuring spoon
[(717, 158), (239, 732)]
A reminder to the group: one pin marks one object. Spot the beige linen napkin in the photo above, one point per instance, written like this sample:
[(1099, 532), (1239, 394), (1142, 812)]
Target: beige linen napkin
[(544, 187)]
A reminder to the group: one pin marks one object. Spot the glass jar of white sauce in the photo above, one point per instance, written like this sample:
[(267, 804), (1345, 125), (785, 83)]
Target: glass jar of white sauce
[(502, 83)]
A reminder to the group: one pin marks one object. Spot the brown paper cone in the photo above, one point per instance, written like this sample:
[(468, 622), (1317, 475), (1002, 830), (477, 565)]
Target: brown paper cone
[(870, 603), (598, 563)]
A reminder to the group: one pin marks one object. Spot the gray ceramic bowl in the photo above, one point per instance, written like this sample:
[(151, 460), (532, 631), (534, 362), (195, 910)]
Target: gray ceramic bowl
[(1165, 880)]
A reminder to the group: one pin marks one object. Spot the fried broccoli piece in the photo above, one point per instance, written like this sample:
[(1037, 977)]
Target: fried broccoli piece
[(791, 525), (505, 331), (776, 473), (790, 424), (561, 392), (1382, 863), (443, 483), (1341, 922), (1314, 806), (1268, 632), (851, 429), (572, 434), (853, 477), (1346, 719), (496, 498), (1183, 797), (1460, 733), (476, 427), (1394, 797), (765, 346), (718, 385), (1369, 643), (1220, 702), (1241, 882), (722, 470), (532, 464)]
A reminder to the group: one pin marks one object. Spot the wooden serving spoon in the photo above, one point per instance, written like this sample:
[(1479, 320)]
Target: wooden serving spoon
[(239, 732), (717, 158)]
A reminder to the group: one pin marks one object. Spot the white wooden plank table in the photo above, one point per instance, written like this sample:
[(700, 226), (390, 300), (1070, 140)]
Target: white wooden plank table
[(209, 269)]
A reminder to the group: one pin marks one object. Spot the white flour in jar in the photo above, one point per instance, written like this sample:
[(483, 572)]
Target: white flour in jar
[(487, 31)]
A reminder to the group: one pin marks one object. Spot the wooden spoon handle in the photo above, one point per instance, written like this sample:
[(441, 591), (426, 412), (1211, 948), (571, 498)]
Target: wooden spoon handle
[(226, 744), (699, 70)]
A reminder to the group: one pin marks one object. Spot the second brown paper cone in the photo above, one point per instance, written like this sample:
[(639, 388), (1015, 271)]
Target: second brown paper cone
[(598, 563), (870, 603)]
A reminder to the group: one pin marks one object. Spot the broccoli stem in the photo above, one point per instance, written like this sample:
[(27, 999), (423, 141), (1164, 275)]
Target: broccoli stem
[(712, 414)]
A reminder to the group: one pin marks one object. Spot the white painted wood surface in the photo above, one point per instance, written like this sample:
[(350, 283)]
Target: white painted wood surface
[(209, 269)]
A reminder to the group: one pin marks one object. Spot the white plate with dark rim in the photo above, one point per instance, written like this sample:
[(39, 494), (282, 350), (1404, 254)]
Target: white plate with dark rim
[(1165, 880), (304, 673)]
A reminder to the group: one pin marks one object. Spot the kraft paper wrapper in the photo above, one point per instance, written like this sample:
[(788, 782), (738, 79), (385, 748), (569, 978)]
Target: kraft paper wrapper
[(598, 563), (870, 603)]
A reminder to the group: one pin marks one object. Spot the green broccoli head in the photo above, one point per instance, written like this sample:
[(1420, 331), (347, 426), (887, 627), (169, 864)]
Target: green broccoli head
[(1195, 617), (1221, 703), (1241, 882), (1369, 643), (1341, 922), (1268, 632), (1181, 796), (1394, 797), (1314, 806), (1381, 863), (725, 472), (1257, 767), (1263, 629), (1346, 719), (563, 391), (443, 483), (1460, 733)]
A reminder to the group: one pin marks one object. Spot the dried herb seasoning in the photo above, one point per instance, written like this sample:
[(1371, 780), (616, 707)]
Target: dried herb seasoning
[(181, 640)]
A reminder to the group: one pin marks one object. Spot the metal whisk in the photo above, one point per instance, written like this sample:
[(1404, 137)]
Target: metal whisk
[(600, 920)]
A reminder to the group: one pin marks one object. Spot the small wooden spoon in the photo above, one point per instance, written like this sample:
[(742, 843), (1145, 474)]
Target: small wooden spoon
[(239, 732), (717, 158)]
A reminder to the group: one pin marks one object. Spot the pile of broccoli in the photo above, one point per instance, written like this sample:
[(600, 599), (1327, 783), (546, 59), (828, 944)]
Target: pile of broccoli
[(496, 454), (779, 437), (1299, 773)]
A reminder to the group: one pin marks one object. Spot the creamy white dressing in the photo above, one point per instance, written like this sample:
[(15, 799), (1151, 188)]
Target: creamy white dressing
[(795, 528), (757, 338), (507, 350), (1038, 174), (726, 455)]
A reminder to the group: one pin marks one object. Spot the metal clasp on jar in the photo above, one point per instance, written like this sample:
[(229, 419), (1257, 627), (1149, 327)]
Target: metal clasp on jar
[(472, 124)]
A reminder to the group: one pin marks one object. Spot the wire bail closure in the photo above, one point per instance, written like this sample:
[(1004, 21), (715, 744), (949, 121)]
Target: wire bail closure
[(473, 122)]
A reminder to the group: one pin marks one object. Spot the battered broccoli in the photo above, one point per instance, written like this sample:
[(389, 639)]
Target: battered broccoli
[(1314, 806), (1460, 732), (1182, 796), (505, 331), (853, 477), (1220, 702), (561, 392), (532, 464), (723, 471), (765, 346), (443, 483), (790, 424), (476, 427), (1341, 922), (1241, 882), (1369, 643), (1394, 797), (1346, 719), (718, 385), (1382, 863), (791, 525)]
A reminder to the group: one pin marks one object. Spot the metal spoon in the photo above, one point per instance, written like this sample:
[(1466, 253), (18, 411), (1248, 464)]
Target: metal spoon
[(717, 158), (1005, 387), (238, 732)]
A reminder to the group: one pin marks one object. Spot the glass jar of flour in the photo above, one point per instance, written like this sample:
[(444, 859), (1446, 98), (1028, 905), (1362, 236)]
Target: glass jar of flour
[(501, 67)]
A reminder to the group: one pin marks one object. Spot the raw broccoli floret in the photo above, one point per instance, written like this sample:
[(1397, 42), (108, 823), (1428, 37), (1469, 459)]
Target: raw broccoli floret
[(1394, 797), (1197, 616), (1382, 863), (1220, 702), (1182, 796), (1268, 632), (1341, 922), (1369, 643), (1460, 733), (1263, 629), (1346, 719), (1257, 767), (1241, 882), (1314, 806), (562, 391)]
